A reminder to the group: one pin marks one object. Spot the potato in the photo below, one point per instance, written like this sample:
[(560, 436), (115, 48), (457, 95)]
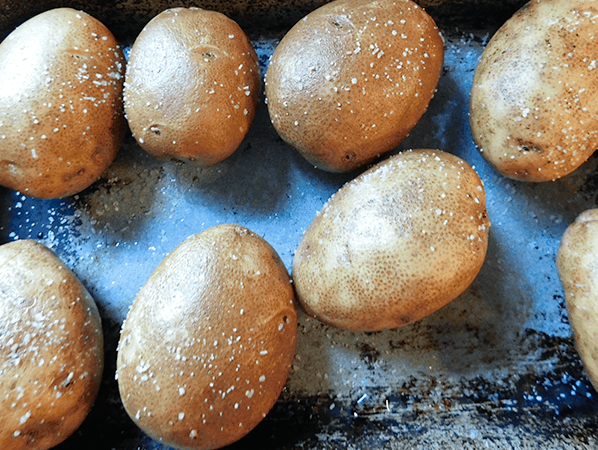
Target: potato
[(207, 345), (395, 244), (192, 85), (61, 115), (349, 81), (51, 348), (577, 264), (533, 108)]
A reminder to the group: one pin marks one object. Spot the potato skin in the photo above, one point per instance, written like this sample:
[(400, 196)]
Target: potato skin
[(349, 81), (577, 264), (207, 345), (192, 86), (51, 348), (533, 108), (62, 121), (395, 244)]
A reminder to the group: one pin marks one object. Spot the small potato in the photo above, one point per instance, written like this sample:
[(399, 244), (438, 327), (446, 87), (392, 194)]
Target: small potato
[(51, 348), (351, 79), (533, 105), (395, 244), (577, 264), (192, 86), (61, 114), (207, 345)]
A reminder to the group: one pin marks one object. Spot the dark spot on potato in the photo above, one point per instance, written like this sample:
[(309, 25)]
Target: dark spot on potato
[(529, 147), (340, 23), (350, 156), (70, 176), (156, 130), (66, 383), (77, 53)]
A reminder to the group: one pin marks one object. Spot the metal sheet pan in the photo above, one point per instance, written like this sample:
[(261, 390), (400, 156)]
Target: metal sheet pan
[(496, 368)]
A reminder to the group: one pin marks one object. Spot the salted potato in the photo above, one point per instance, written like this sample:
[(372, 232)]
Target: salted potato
[(351, 79), (395, 244), (577, 264), (192, 85), (61, 114), (51, 348), (533, 108), (207, 345)]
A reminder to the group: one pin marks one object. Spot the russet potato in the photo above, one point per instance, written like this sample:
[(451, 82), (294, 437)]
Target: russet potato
[(61, 114), (577, 264), (395, 244), (51, 348), (533, 108), (207, 345), (192, 85), (351, 79)]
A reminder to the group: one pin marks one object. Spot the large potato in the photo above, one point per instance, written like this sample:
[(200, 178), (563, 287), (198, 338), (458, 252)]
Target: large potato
[(61, 114), (395, 244), (51, 348), (207, 345), (192, 85), (533, 106), (577, 263), (349, 81)]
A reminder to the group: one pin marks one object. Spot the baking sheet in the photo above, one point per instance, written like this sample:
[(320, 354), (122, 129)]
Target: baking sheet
[(496, 368)]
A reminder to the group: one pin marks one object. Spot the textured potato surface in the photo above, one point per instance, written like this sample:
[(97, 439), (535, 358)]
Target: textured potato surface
[(395, 244), (51, 348), (207, 345), (192, 86), (577, 263), (533, 108), (61, 114), (349, 81)]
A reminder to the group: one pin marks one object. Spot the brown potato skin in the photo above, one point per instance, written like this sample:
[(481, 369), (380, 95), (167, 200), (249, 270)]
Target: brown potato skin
[(533, 108), (51, 348), (216, 315), (62, 121), (577, 264), (380, 255), (349, 81), (192, 86)]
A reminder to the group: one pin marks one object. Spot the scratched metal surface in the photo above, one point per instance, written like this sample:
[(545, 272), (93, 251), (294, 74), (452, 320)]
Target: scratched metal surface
[(496, 368)]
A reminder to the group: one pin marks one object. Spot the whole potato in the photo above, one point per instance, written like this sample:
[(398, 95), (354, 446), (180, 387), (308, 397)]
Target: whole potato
[(61, 114), (351, 79), (51, 348), (533, 105), (192, 85), (577, 264), (395, 244), (207, 345)]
